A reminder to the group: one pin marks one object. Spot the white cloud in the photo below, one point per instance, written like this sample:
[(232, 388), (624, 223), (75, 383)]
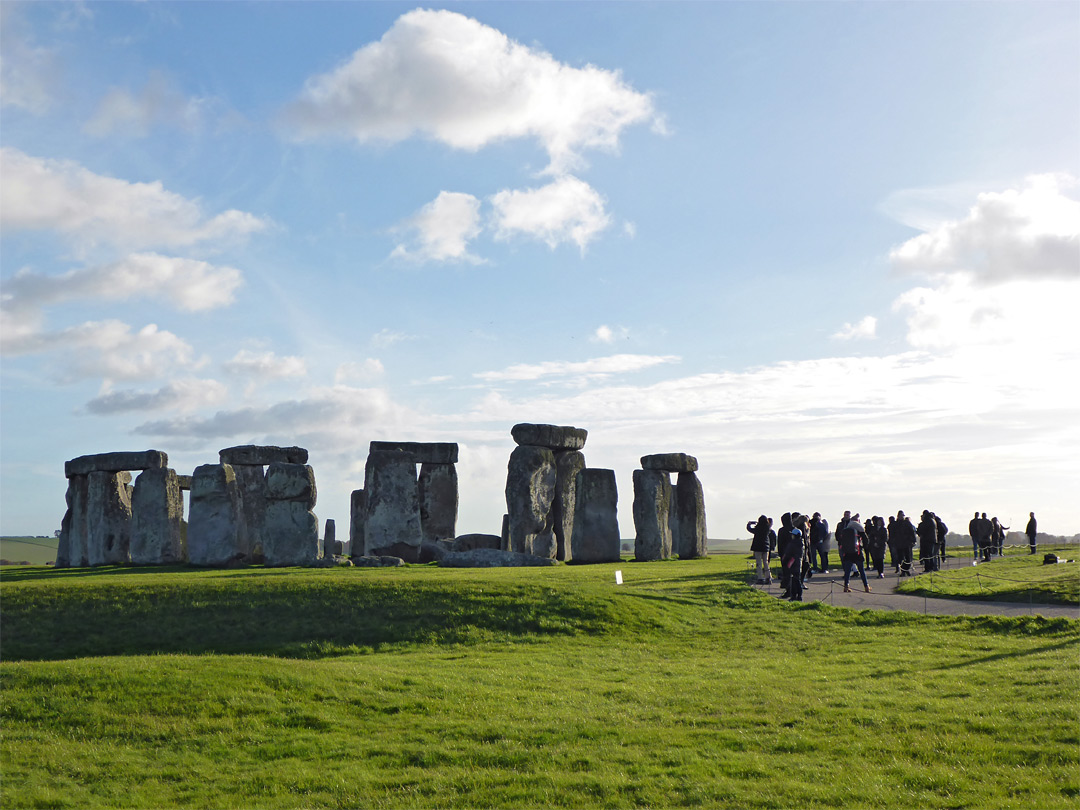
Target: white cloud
[(587, 369), (1032, 233), (29, 74), (444, 76), (866, 328), (90, 208), (368, 370), (159, 103), (605, 334), (385, 338), (443, 229), (188, 284), (184, 395), (566, 210), (265, 365)]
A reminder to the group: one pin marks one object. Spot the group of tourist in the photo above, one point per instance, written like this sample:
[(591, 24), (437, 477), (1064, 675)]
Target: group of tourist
[(803, 545)]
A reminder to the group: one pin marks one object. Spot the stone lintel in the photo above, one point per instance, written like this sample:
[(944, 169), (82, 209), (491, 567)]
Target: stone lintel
[(553, 437), (670, 462), (116, 462), (421, 452), (254, 455)]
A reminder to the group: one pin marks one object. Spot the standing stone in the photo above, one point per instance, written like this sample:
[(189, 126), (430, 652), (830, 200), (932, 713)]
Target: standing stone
[(215, 518), (568, 463), (673, 522), (291, 531), (504, 536), (553, 437), (251, 486), (652, 505), (690, 513), (437, 490), (595, 537), (157, 507), (108, 518), (530, 490), (331, 546), (71, 547), (392, 523), (357, 515)]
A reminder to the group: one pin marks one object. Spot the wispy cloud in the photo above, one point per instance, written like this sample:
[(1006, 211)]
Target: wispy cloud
[(864, 329), (264, 365), (183, 394), (585, 369)]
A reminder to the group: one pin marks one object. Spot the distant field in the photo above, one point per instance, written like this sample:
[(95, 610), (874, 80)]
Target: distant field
[(32, 550)]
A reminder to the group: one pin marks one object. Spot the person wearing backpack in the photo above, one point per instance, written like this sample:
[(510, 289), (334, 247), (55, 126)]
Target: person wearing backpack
[(760, 528), (793, 562), (783, 540), (852, 539)]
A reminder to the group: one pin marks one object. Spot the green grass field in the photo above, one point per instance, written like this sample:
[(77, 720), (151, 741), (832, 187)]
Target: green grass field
[(1019, 578), (32, 550), (427, 687)]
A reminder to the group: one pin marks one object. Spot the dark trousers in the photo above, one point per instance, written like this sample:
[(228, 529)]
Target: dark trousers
[(853, 560), (825, 559), (907, 561), (1032, 544)]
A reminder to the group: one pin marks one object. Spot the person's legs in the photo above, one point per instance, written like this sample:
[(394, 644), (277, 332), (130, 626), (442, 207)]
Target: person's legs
[(862, 573), (825, 560), (846, 562)]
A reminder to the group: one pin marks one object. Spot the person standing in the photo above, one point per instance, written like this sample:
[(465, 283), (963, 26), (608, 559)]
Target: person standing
[(942, 531), (894, 550), (783, 539), (906, 544), (878, 538), (998, 533), (973, 533), (819, 542), (927, 542), (852, 540), (1032, 532), (760, 546), (985, 531)]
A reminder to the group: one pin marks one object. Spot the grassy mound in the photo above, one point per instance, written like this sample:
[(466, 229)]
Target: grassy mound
[(424, 687)]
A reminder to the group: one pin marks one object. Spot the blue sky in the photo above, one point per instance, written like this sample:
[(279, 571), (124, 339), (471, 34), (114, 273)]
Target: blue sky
[(830, 249)]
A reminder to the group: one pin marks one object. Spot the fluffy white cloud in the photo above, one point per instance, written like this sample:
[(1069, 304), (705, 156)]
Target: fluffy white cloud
[(159, 103), (188, 284), (265, 365), (866, 328), (566, 210), (605, 334), (39, 194), (442, 229), (447, 77), (184, 395), (1032, 233), (587, 369)]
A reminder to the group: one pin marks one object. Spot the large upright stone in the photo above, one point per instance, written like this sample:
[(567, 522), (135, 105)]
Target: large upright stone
[(115, 462), (71, 550), (670, 462), (215, 517), (595, 537), (108, 518), (553, 437), (357, 516), (652, 504), (530, 490), (437, 490), (568, 463), (690, 517), (157, 509), (251, 486), (673, 522), (392, 523), (291, 532), (331, 546), (421, 452), (254, 455)]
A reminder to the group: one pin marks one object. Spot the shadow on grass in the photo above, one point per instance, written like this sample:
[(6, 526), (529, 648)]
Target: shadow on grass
[(972, 662)]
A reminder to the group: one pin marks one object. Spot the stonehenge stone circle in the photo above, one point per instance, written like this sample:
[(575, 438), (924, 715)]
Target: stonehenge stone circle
[(492, 558), (215, 517), (554, 437), (108, 517), (291, 530), (670, 462), (530, 490), (595, 537), (652, 505), (437, 490), (392, 518), (690, 516), (157, 511), (568, 463), (251, 487)]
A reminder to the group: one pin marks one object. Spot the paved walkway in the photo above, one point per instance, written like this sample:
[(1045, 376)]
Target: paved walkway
[(829, 588)]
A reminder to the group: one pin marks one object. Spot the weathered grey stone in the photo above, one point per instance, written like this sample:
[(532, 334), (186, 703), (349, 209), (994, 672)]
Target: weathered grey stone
[(184, 482), (116, 462), (652, 504), (553, 437), (254, 455), (595, 537), (504, 536), (469, 542), (421, 452), (157, 507), (434, 550), (357, 515), (673, 521), (384, 561), (568, 463), (392, 521), (215, 517), (530, 489), (71, 550), (670, 462), (690, 517), (331, 546), (108, 518), (291, 482), (251, 487), (290, 534), (437, 490), (492, 558)]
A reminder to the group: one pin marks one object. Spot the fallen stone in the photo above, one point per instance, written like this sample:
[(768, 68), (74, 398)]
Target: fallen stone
[(530, 489), (437, 491), (553, 437), (420, 452), (568, 463), (254, 455), (215, 518), (384, 561), (108, 518), (690, 517), (652, 504), (392, 519), (157, 508), (116, 462), (434, 550), (595, 537), (492, 558), (469, 542), (670, 462)]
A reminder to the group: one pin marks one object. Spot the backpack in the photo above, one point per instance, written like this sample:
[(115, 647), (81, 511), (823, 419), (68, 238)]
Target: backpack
[(849, 541)]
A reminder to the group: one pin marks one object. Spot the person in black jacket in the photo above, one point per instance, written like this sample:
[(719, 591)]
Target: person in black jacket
[(894, 549), (942, 530), (783, 538), (760, 528), (819, 542), (905, 532), (877, 540), (851, 541), (928, 542), (1032, 532)]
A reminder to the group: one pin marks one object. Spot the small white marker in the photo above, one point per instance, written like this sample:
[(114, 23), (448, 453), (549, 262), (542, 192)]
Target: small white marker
[(618, 577)]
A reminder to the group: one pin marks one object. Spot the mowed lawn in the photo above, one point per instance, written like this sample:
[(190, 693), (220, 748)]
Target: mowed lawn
[(427, 687)]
